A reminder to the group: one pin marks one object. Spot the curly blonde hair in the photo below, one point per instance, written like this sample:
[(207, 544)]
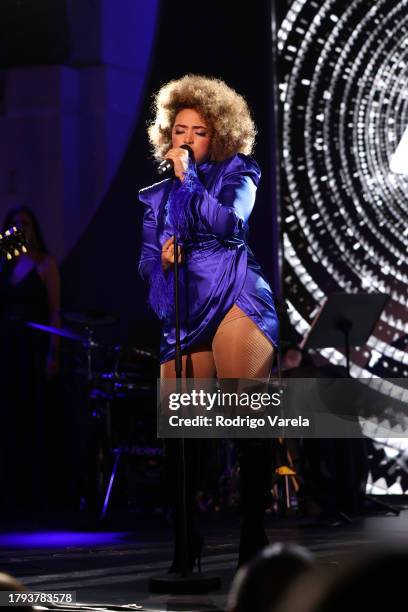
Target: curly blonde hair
[(227, 113)]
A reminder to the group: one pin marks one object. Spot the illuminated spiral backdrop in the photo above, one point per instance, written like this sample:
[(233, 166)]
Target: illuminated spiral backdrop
[(343, 89)]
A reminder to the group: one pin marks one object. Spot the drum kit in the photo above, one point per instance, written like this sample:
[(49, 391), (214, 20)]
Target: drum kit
[(114, 376), (120, 379)]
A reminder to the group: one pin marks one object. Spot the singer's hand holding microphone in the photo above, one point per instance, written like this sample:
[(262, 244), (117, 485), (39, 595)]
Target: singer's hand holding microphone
[(180, 158), (175, 162)]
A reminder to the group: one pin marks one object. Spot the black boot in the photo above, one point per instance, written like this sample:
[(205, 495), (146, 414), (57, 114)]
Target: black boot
[(253, 538), (255, 461), (187, 550), (188, 541)]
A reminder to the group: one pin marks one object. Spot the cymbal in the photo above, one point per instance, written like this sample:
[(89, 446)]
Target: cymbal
[(90, 318), (128, 353), (58, 331)]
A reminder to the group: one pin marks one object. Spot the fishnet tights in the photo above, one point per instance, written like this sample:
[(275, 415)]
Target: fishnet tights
[(239, 350)]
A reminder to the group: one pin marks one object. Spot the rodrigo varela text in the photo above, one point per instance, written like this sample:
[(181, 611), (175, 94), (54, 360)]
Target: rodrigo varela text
[(238, 421)]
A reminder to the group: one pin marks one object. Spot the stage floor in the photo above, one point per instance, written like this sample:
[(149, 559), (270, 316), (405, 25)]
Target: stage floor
[(112, 567)]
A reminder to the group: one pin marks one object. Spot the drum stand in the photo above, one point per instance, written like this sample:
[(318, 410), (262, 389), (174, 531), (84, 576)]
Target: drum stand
[(118, 453)]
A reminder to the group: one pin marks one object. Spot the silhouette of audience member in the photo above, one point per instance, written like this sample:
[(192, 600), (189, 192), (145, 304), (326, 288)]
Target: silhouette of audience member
[(375, 582), (260, 584)]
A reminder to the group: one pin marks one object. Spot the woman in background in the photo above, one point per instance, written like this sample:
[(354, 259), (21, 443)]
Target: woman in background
[(29, 292)]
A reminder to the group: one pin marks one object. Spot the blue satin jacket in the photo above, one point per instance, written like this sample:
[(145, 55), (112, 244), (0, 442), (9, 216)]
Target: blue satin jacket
[(209, 213)]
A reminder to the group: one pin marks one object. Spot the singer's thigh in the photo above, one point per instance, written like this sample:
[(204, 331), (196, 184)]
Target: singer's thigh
[(197, 364), (240, 349)]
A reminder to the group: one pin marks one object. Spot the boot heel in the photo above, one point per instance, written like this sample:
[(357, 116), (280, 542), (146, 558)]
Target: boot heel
[(199, 553)]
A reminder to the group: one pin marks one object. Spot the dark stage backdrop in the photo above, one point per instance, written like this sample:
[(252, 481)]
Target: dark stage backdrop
[(72, 77), (34, 33), (215, 38)]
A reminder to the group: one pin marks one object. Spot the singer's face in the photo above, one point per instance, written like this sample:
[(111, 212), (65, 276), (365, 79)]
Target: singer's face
[(190, 128)]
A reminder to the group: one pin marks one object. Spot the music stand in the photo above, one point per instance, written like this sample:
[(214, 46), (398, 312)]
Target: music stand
[(347, 320)]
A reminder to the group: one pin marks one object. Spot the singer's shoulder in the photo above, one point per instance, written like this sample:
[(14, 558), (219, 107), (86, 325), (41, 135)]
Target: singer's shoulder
[(153, 194), (242, 164)]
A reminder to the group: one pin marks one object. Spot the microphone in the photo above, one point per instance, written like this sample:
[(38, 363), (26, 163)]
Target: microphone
[(165, 169)]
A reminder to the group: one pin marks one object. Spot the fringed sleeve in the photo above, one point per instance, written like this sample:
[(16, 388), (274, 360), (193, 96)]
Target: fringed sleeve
[(161, 294), (181, 205), (150, 268)]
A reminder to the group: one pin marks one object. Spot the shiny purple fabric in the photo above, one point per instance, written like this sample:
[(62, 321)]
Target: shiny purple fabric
[(209, 213)]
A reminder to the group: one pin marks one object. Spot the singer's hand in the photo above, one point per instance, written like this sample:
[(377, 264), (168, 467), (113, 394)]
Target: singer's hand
[(167, 255), (180, 161)]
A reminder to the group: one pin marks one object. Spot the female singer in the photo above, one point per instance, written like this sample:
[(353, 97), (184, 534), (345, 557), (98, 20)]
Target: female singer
[(229, 327)]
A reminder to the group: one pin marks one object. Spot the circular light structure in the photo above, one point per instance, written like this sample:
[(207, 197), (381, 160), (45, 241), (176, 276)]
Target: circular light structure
[(343, 89)]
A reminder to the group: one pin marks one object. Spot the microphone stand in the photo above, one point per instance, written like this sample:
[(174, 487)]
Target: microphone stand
[(178, 360), (184, 582), (178, 363)]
